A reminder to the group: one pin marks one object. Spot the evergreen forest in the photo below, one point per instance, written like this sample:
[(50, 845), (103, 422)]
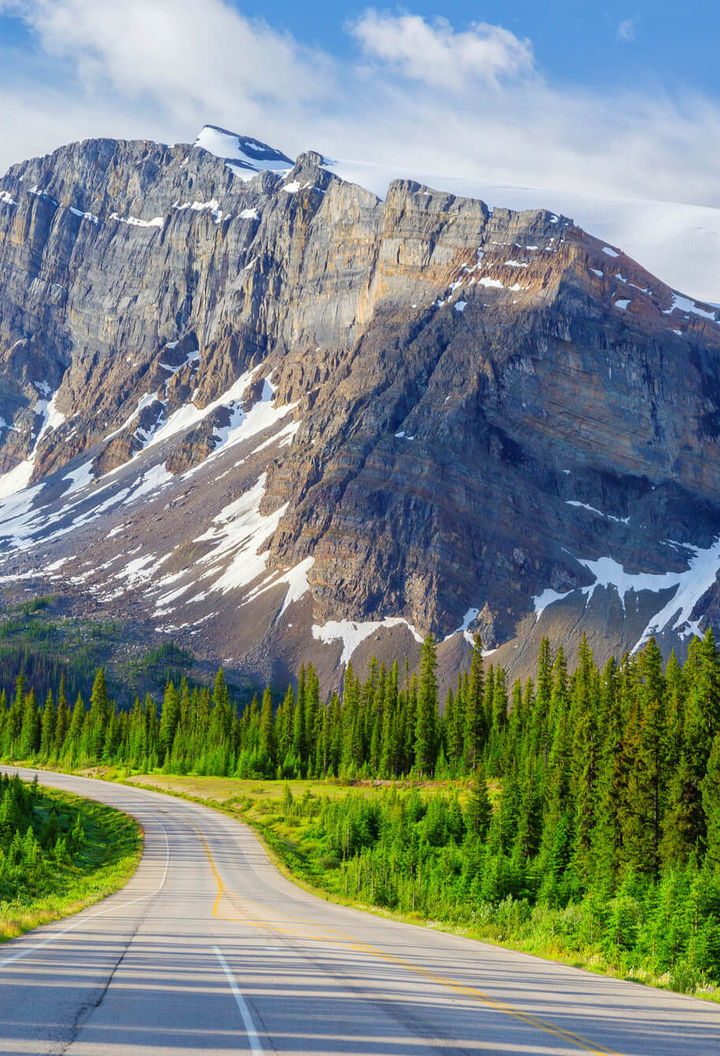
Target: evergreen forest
[(584, 803)]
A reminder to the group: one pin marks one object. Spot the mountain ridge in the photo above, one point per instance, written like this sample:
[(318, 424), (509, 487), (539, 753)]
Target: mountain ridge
[(426, 395)]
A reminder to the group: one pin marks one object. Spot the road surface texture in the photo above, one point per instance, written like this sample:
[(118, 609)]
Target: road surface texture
[(208, 949)]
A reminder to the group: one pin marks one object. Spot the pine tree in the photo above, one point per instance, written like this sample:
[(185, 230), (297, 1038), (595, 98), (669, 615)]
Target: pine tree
[(585, 761), (169, 718), (267, 733), (47, 730), (99, 716), (711, 805), (30, 729), (476, 730), (61, 721), (647, 751), (426, 721), (612, 784), (478, 811), (299, 743)]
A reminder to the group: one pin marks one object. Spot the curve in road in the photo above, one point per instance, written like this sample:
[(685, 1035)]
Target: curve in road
[(209, 949)]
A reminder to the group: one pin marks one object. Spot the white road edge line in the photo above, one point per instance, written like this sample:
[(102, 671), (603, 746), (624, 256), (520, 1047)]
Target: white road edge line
[(253, 1038), (101, 913)]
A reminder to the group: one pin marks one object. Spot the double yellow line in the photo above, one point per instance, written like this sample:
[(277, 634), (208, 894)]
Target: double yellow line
[(348, 942)]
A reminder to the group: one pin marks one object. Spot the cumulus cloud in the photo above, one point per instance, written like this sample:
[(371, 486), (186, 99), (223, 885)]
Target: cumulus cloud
[(422, 94), (437, 55)]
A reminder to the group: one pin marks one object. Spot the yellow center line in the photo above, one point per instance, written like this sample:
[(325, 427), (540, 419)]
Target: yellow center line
[(232, 895), (348, 942)]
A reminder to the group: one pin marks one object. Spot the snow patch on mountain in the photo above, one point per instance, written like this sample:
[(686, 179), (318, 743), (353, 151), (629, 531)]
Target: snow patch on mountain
[(18, 478), (594, 509), (134, 221), (79, 478), (685, 305), (238, 532), (353, 634), (236, 558), (676, 614)]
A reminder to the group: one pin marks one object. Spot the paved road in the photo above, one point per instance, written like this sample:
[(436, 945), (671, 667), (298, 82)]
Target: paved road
[(210, 950)]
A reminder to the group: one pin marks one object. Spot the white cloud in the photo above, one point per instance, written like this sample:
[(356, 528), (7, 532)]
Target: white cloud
[(435, 54), (182, 56), (627, 30)]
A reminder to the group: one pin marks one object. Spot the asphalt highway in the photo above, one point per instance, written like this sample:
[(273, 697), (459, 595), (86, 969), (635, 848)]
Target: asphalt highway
[(208, 949)]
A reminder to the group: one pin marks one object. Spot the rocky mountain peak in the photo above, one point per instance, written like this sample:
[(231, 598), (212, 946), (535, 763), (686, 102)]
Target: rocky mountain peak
[(321, 421)]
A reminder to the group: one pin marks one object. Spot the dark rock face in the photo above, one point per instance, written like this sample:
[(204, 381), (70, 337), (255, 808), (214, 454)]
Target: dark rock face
[(457, 410)]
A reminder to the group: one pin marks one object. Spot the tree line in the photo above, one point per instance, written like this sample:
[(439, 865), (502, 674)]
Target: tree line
[(586, 786), (597, 767)]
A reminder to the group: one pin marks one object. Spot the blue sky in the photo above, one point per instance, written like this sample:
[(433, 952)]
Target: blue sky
[(579, 41), (606, 97)]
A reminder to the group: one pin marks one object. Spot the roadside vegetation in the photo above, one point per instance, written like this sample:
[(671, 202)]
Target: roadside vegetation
[(575, 815), (58, 854)]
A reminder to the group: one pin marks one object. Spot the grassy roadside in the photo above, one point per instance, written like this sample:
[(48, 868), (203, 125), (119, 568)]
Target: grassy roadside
[(289, 830), (290, 835), (104, 861)]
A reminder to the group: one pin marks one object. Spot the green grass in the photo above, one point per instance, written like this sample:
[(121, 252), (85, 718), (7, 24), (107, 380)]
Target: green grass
[(107, 858)]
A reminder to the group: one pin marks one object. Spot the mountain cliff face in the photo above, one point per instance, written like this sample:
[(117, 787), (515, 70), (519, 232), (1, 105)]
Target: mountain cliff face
[(274, 415)]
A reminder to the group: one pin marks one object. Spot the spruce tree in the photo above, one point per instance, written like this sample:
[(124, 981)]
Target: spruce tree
[(478, 810), (47, 730), (476, 730), (426, 720), (267, 733)]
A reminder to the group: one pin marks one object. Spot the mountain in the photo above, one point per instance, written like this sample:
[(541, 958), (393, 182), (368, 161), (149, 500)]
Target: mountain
[(677, 241), (275, 417)]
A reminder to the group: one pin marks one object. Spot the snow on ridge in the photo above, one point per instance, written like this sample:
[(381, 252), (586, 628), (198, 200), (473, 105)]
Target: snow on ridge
[(84, 216), (241, 171), (242, 424), (297, 585), (37, 192), (294, 186), (133, 221), (243, 155), (7, 198), (143, 402), (464, 628), (213, 207), (685, 305), (152, 480), (52, 417), (236, 559), (352, 634), (15, 480), (676, 241)]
